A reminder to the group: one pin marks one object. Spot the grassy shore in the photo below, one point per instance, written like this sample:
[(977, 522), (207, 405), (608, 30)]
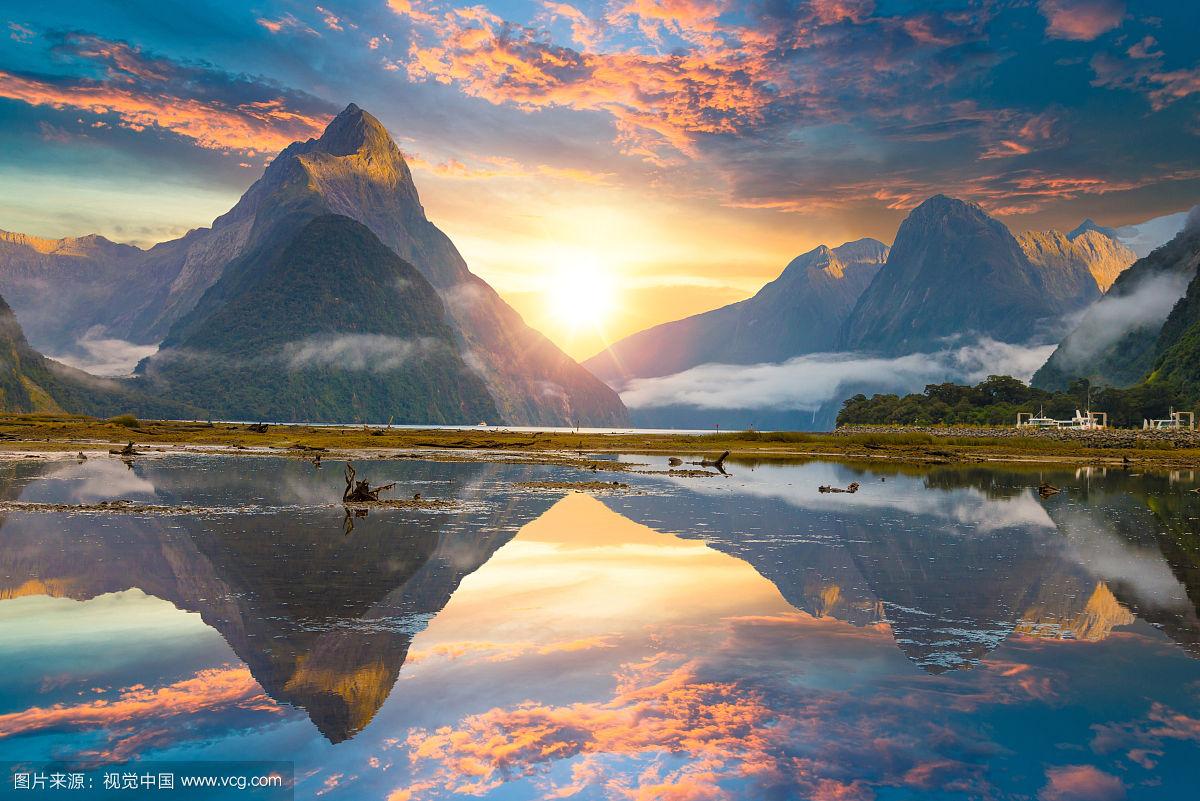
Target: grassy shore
[(22, 435)]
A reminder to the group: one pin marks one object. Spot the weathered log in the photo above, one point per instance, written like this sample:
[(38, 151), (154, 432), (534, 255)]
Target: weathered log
[(718, 463), (361, 491)]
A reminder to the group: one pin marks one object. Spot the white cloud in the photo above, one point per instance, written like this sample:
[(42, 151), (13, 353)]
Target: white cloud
[(806, 383), (374, 353), (1114, 316), (105, 356)]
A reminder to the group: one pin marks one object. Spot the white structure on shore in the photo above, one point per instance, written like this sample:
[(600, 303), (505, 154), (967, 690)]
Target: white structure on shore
[(1088, 421), (1178, 421)]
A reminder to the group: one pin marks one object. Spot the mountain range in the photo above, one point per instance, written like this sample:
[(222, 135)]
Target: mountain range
[(326, 294), (801, 311), (67, 291), (953, 271)]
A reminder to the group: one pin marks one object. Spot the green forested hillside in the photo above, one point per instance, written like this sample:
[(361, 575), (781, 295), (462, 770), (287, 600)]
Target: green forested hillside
[(322, 323)]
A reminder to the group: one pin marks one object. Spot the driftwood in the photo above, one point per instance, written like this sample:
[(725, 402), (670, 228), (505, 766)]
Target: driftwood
[(1046, 490), (718, 463), (851, 489), (361, 491), (257, 428), (128, 450)]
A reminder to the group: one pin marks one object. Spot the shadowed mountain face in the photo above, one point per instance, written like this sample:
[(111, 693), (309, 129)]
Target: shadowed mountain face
[(1121, 338), (323, 619), (953, 271), (321, 322), (801, 311), (355, 170), (29, 382)]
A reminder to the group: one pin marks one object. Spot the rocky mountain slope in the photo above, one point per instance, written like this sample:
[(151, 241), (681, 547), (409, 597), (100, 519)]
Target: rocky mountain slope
[(956, 271), (1072, 264), (801, 311), (325, 324)]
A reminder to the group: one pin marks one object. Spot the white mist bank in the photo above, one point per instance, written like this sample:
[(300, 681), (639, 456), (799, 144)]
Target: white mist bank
[(807, 383)]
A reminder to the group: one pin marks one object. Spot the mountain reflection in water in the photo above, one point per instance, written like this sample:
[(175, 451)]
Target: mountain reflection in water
[(942, 633)]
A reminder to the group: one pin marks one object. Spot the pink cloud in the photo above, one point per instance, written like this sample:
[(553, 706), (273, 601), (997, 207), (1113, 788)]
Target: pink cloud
[(1081, 20), (1081, 783)]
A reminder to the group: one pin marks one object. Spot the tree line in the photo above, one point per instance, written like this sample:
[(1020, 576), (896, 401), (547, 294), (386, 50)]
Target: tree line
[(998, 399)]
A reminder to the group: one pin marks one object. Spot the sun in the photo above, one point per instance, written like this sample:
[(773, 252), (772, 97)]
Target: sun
[(580, 294)]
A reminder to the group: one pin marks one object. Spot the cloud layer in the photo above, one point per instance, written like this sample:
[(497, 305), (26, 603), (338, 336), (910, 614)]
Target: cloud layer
[(809, 382)]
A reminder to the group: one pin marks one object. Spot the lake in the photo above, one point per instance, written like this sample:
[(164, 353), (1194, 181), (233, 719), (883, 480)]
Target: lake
[(943, 633)]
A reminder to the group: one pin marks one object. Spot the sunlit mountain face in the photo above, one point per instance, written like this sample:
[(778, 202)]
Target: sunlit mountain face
[(941, 633), (608, 166)]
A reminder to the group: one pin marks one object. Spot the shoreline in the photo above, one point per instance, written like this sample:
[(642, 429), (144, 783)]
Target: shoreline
[(64, 436)]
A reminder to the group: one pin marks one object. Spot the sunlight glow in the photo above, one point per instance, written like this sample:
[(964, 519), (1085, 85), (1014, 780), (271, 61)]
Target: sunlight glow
[(580, 293)]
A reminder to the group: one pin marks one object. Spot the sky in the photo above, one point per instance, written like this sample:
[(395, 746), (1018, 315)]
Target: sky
[(662, 156)]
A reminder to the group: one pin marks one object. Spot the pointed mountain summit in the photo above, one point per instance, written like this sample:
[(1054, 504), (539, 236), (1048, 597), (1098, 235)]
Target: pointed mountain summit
[(800, 312), (1091, 225), (955, 270), (354, 170)]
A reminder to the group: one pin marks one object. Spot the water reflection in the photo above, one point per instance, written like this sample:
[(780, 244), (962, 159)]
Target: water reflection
[(942, 633)]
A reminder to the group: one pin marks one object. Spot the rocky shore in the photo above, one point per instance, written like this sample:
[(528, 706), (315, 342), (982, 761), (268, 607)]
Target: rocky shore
[(1101, 438)]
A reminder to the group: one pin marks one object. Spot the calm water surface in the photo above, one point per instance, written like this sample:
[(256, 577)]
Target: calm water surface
[(942, 634)]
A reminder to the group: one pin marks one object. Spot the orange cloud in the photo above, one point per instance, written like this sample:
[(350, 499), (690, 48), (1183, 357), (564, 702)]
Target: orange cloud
[(142, 715), (266, 125), (668, 733), (657, 101)]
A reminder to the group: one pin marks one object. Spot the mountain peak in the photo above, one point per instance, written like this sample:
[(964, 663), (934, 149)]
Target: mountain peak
[(352, 131), (1091, 225), (944, 204)]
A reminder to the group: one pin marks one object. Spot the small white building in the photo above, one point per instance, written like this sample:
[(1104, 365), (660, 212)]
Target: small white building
[(1089, 421), (1178, 421)]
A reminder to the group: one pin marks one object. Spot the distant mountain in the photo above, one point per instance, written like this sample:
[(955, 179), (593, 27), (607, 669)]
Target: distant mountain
[(953, 271), (1142, 238), (29, 382), (1091, 225), (323, 323), (354, 169), (801, 311), (1118, 340), (1072, 264)]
